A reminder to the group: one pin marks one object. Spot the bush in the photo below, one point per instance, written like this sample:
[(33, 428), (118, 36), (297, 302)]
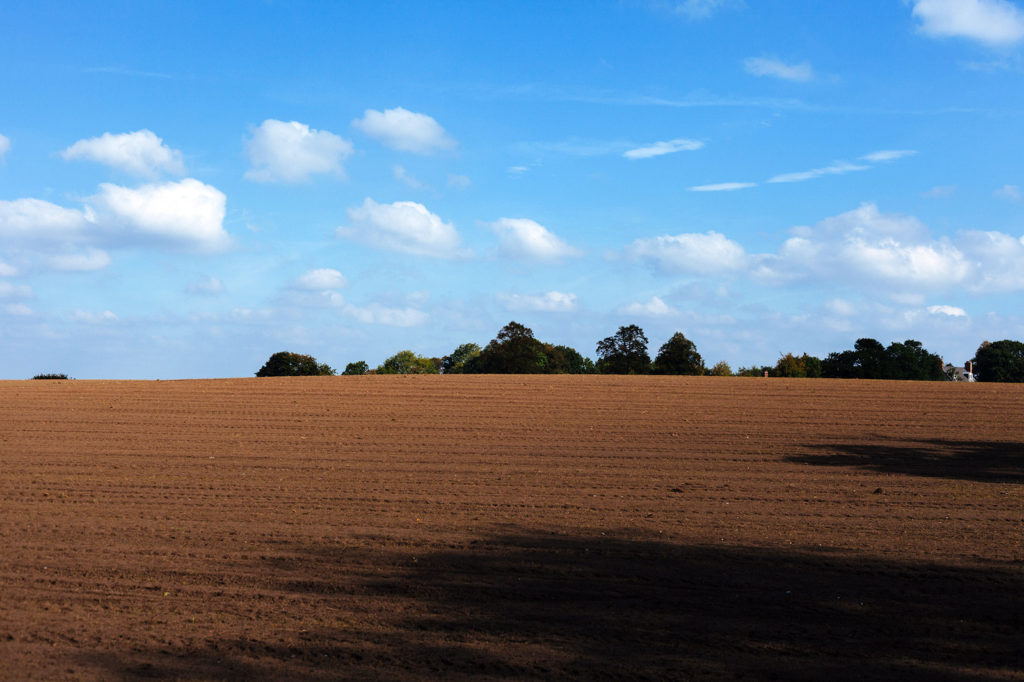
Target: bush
[(721, 369), (51, 376), (285, 364)]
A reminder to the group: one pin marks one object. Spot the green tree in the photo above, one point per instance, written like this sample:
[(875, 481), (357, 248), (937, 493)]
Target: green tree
[(356, 368), (567, 360), (720, 369), (804, 366), (407, 362), (286, 364), (678, 355), (513, 351), (624, 353), (1001, 361), (456, 362), (909, 360)]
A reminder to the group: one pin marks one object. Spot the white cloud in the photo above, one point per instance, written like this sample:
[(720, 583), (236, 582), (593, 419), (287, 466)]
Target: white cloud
[(402, 226), (7, 270), (88, 260), (84, 316), (19, 309), (1011, 192), (35, 220), (5, 145), (282, 151), (551, 302), (703, 254), (948, 310), (998, 259), (518, 170), (405, 130), (888, 155), (995, 22), (403, 176), (188, 213), (207, 286), (320, 279), (939, 191), (837, 168), (695, 10), (723, 187), (869, 247), (140, 153), (392, 317), (662, 148), (8, 290), (653, 308), (764, 66), (524, 238), (458, 181)]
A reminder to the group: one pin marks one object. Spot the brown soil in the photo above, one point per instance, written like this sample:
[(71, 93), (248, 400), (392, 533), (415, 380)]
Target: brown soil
[(511, 527)]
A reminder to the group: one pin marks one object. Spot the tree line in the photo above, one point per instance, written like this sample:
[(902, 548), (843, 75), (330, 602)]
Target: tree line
[(515, 350)]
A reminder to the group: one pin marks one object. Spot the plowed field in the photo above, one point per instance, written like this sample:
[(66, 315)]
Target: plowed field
[(507, 527)]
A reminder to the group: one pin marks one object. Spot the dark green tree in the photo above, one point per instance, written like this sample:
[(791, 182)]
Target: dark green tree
[(624, 353), (1001, 361), (457, 361), (286, 364), (872, 360), (514, 351), (909, 360), (678, 355), (356, 368), (567, 360)]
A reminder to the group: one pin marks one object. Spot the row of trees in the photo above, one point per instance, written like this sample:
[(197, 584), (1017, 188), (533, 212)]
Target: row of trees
[(515, 350)]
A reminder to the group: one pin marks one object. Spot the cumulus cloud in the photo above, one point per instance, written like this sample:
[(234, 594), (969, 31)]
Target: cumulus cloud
[(281, 151), (139, 153), (85, 261), (392, 317), (320, 279), (723, 187), (550, 302), (1011, 192), (653, 308), (868, 246), (994, 22), (662, 148), (998, 259), (402, 226), (524, 238), (764, 66), (35, 220), (405, 130), (888, 155), (948, 310), (186, 214), (837, 168), (5, 145), (694, 253)]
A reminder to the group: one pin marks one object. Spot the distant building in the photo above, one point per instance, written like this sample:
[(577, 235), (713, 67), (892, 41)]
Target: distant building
[(965, 373)]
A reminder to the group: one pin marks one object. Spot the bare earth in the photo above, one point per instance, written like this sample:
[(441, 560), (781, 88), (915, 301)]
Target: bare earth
[(508, 527)]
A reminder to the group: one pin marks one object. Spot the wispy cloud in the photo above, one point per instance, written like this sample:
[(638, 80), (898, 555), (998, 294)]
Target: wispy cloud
[(653, 308), (888, 155), (948, 310), (662, 148), (551, 302), (837, 168), (697, 10), (939, 191), (723, 187), (766, 66), (1011, 192)]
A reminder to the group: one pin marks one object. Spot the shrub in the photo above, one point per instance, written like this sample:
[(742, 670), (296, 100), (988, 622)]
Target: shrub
[(51, 376), (356, 368)]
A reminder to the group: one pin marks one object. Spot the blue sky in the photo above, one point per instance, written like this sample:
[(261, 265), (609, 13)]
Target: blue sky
[(188, 187)]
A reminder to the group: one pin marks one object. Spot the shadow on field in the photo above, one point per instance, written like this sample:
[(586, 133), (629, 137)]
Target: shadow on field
[(537, 605), (989, 462)]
